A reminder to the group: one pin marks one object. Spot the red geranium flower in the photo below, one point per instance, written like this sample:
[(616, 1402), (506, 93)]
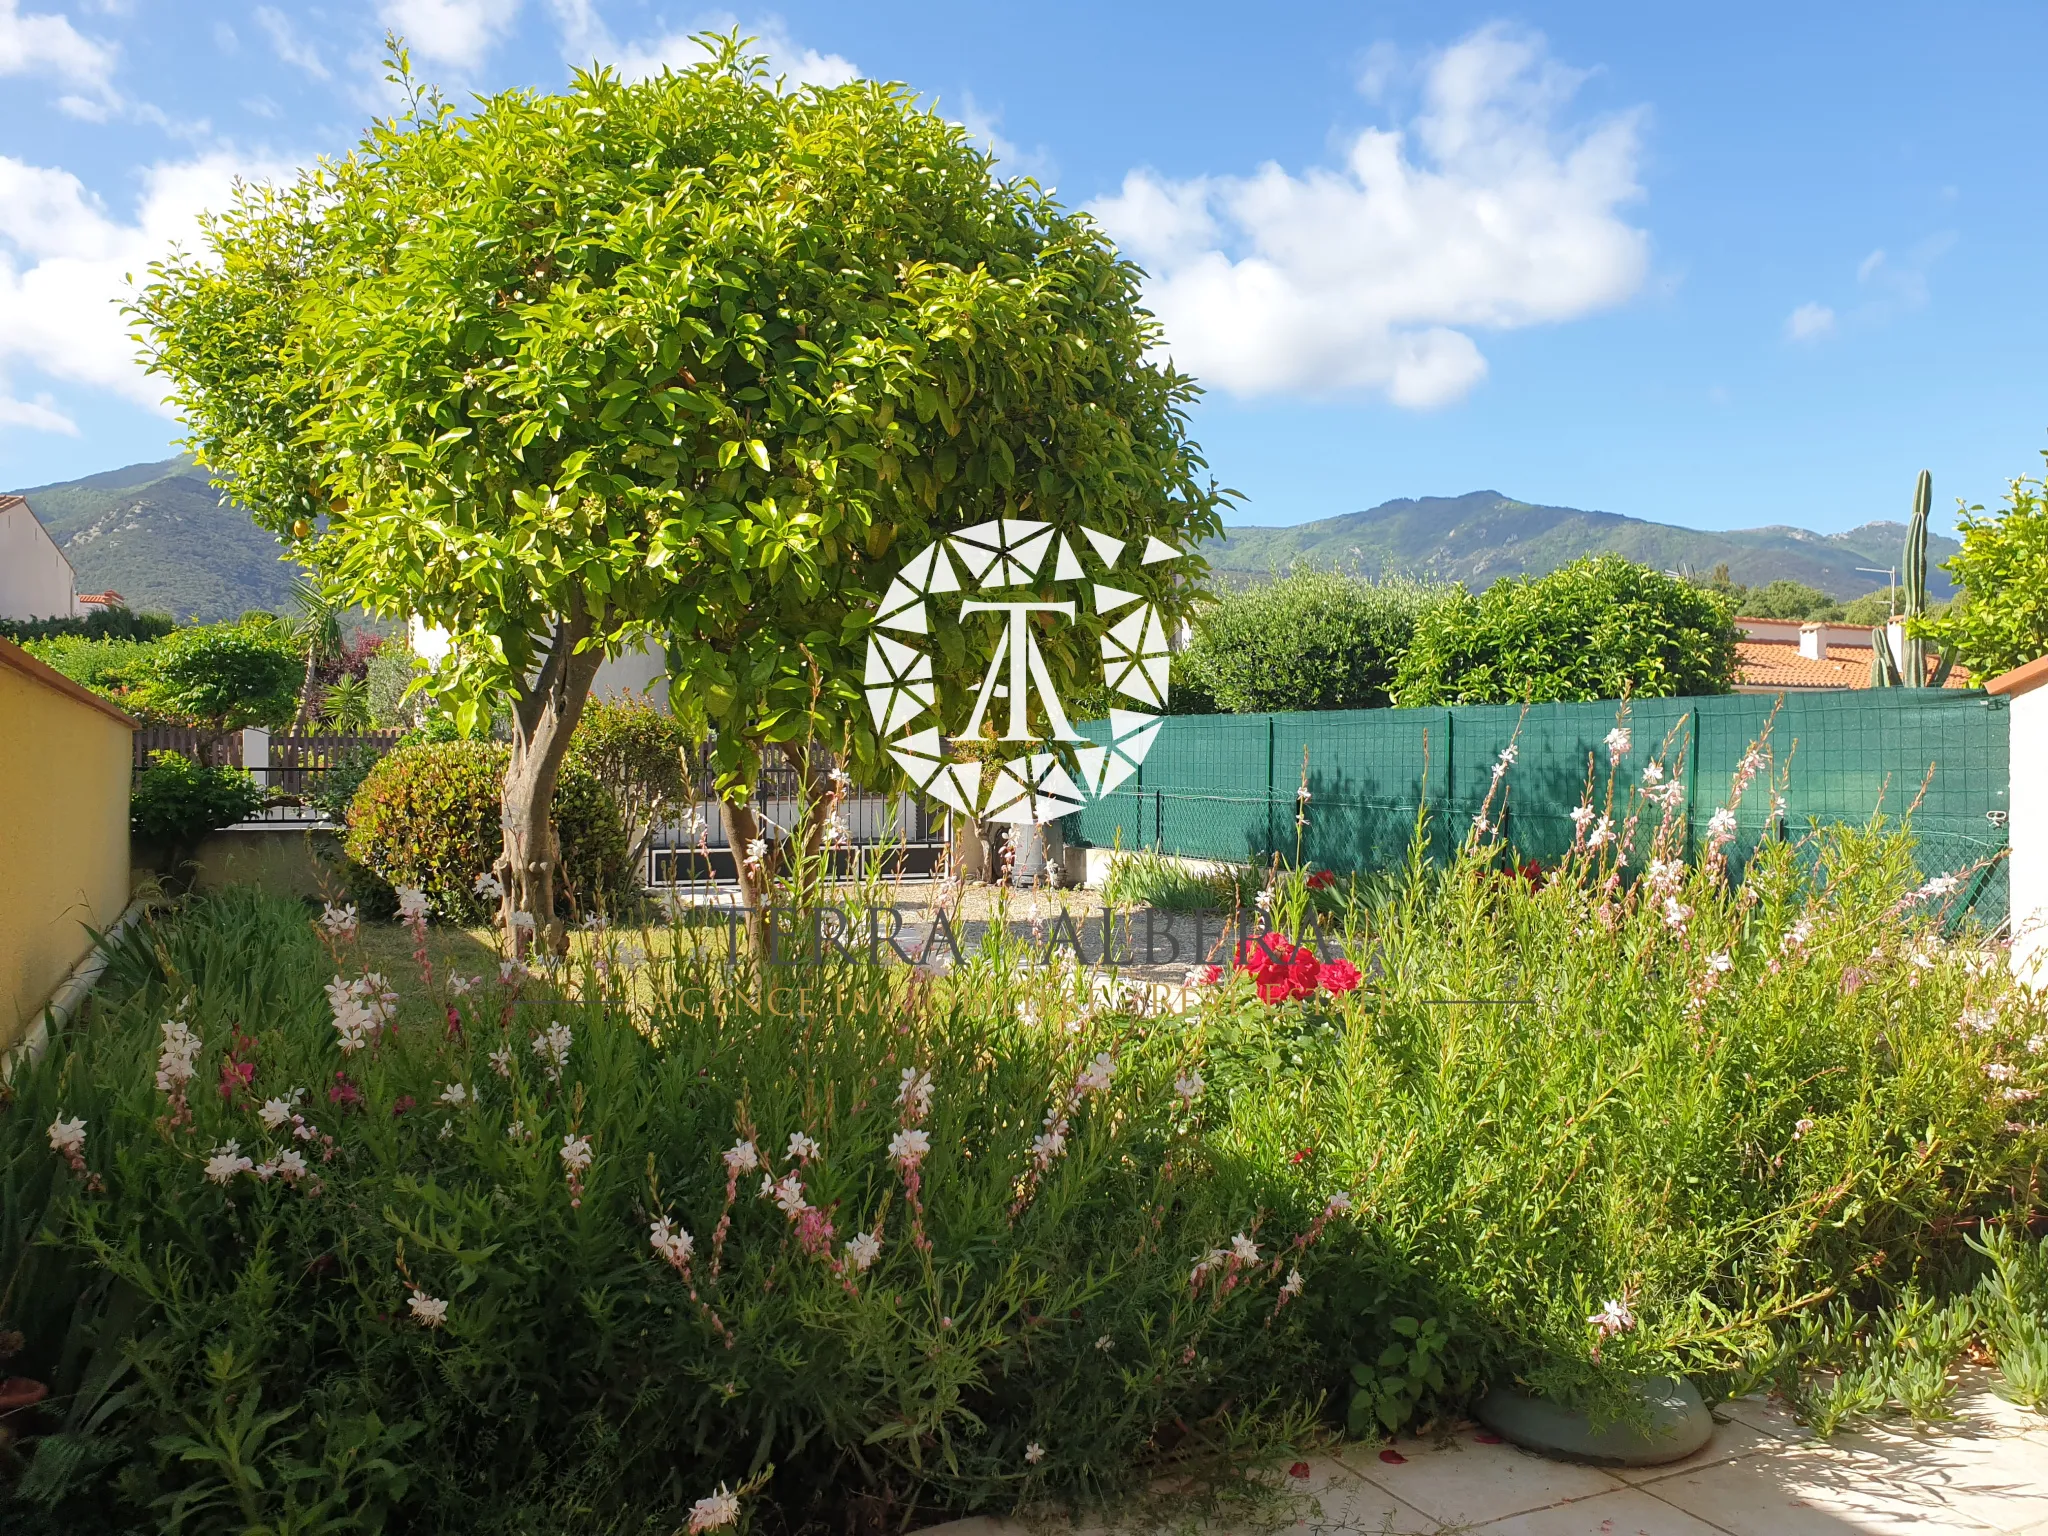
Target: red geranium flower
[(1321, 880), (1338, 976)]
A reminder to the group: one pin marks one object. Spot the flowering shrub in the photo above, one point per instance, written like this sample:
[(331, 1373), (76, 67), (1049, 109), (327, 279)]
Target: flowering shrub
[(427, 816), (442, 1250)]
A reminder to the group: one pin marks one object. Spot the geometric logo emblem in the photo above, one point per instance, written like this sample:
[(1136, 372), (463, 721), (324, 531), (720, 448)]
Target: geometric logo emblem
[(985, 564)]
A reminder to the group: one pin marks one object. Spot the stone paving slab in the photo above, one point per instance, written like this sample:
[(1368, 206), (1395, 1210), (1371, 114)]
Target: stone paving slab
[(1985, 1471)]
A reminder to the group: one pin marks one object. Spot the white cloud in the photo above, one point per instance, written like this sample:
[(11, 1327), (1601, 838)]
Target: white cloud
[(1810, 322), (47, 44), (38, 415), (1482, 213), (288, 45), (66, 262), (586, 38), (1867, 267), (457, 32)]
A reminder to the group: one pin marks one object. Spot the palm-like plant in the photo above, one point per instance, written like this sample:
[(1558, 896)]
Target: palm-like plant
[(346, 709), (316, 627)]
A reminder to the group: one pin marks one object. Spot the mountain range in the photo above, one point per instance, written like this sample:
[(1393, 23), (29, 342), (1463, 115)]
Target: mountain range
[(166, 540), (1482, 536)]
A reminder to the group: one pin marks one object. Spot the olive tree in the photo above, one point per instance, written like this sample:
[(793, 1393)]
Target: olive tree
[(697, 361)]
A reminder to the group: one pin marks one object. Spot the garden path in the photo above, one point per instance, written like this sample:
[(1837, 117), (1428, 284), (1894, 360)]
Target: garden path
[(1760, 1475)]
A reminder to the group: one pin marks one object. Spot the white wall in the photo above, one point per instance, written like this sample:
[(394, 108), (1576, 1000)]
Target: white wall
[(35, 578), (638, 672), (2027, 831)]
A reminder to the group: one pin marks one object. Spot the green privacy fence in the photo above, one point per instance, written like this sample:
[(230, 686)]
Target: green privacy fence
[(1224, 786)]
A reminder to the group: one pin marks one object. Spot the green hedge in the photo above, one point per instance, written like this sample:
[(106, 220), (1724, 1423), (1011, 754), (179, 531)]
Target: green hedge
[(428, 816)]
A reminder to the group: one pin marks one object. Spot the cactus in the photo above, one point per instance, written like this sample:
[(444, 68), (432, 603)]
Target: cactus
[(1910, 671)]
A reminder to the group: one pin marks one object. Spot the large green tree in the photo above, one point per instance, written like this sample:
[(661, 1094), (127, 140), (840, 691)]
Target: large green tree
[(2000, 617), (1312, 640), (1598, 628), (697, 360)]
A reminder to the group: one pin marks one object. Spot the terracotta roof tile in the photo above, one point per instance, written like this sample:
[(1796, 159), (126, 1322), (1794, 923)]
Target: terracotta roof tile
[(1764, 664)]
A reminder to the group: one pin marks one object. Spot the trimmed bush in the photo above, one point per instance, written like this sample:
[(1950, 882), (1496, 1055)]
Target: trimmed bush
[(1599, 628), (175, 802), (427, 815), (1316, 640)]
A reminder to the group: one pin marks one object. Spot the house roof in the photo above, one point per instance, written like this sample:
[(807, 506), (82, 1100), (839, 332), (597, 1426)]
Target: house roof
[(1763, 666), (2021, 679)]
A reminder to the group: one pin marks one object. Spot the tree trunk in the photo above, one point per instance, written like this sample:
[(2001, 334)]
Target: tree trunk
[(544, 714), (742, 831), (305, 714)]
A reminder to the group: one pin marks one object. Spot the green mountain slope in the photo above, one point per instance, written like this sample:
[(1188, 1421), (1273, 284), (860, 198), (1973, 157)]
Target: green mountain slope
[(160, 536), (1480, 537)]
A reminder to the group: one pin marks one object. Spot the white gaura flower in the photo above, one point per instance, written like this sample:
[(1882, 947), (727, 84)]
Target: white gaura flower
[(1096, 1076), (1612, 1318), (908, 1148), (511, 972), (722, 1508), (67, 1137), (428, 1311), (1263, 901), (1243, 1249), (1049, 1144), (178, 1061), (340, 922), (1676, 913), (2000, 1072), (551, 1045), (488, 886), (1720, 963), (501, 1061), (1602, 833), (226, 1162), (1189, 1085), (862, 1249), (1105, 1343), (1293, 1284), (741, 1157), (516, 1131), (291, 1164), (1339, 1204), (801, 1147), (274, 1113), (914, 1093), (455, 1095), (1034, 1453), (412, 904), (462, 986), (788, 1192), (1618, 743), (670, 1241), (576, 1153), (1582, 817), (1721, 825), (1653, 773)]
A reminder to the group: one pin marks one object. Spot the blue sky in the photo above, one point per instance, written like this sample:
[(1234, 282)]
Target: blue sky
[(1757, 269)]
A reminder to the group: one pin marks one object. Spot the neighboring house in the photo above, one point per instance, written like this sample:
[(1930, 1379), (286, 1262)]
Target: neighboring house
[(36, 581), (1790, 656), (102, 600), (640, 673)]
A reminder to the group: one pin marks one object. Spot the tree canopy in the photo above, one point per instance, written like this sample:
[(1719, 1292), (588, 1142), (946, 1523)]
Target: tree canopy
[(694, 359), (1312, 640), (2000, 617), (1597, 628)]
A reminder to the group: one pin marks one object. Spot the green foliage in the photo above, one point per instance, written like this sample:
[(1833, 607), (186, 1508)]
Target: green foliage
[(1783, 599), (1872, 608), (218, 677), (1408, 1373), (1315, 640), (1148, 879), (693, 358), (175, 802), (346, 706), (1599, 628), (100, 624), (641, 755), (388, 676), (106, 666), (2001, 619), (427, 816), (335, 790)]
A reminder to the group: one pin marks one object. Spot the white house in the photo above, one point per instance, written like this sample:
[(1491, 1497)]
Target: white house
[(36, 581)]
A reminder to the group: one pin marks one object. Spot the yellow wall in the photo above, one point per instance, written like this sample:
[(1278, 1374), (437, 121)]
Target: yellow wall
[(63, 831)]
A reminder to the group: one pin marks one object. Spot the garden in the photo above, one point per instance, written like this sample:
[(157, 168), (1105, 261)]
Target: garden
[(487, 1194)]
